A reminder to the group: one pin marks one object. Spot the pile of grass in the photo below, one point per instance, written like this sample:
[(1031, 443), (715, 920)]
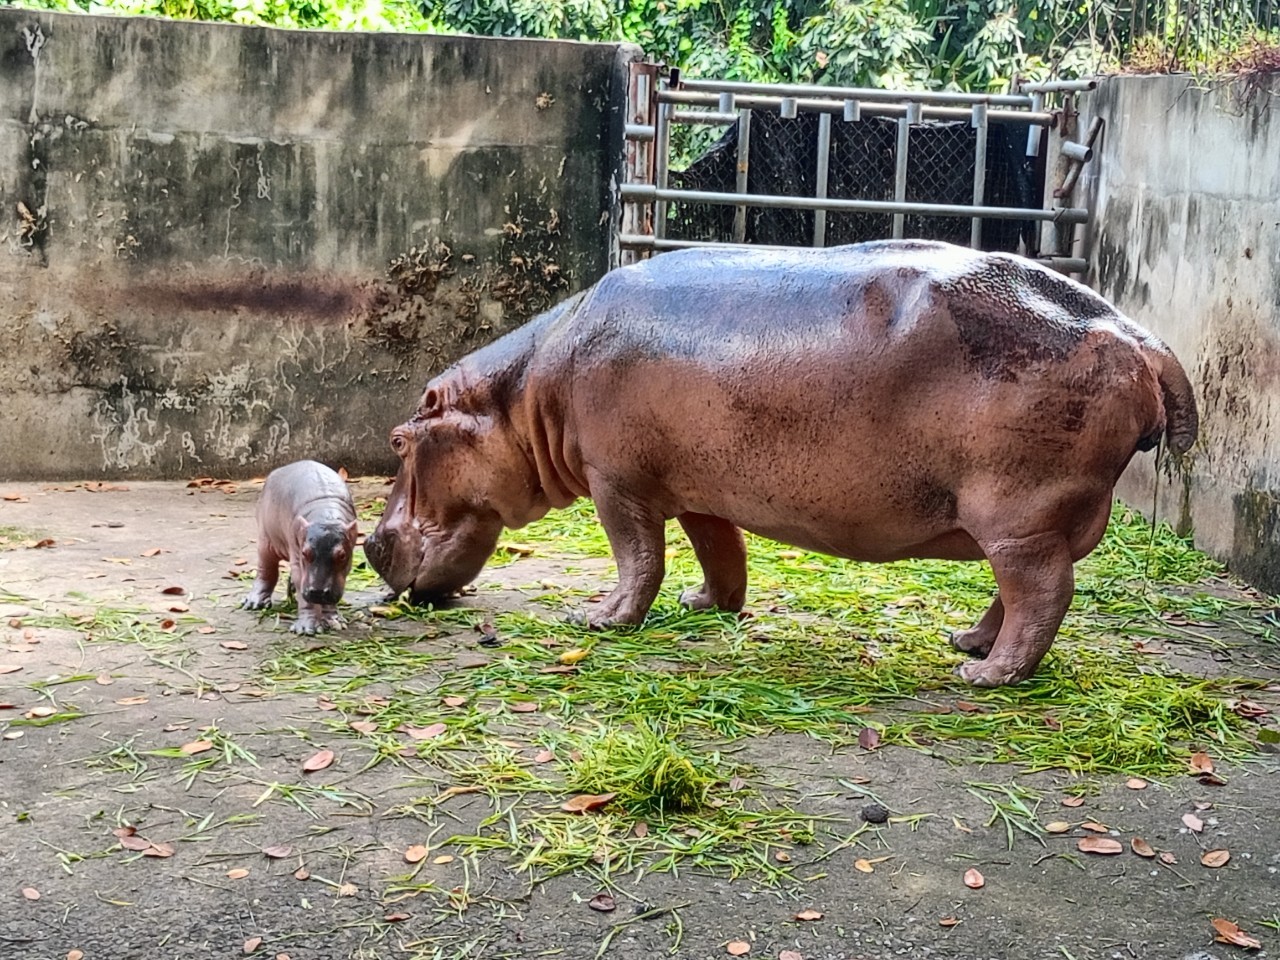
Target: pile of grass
[(650, 772)]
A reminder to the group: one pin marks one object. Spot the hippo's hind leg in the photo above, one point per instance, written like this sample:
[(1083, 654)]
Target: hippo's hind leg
[(264, 583), (722, 554), (977, 640), (1036, 582), (635, 532)]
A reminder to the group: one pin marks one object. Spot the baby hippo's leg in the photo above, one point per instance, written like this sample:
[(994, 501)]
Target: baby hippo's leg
[(264, 584)]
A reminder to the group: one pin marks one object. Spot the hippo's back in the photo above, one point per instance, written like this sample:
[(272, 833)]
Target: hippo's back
[(294, 485)]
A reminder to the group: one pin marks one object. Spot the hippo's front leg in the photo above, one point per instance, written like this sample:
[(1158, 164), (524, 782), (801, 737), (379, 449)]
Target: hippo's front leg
[(722, 554), (635, 533), (317, 618), (264, 584)]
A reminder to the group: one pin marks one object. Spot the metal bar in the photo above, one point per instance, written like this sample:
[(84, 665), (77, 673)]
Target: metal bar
[(662, 148), (726, 103), (852, 111), (744, 168), (1079, 152), (643, 241), (694, 117), (1060, 86), (979, 171), (857, 93), (693, 98), (639, 131), (900, 170), (820, 179), (788, 108), (1033, 132)]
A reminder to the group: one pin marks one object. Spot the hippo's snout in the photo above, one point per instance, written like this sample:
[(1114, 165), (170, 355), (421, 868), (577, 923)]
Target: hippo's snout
[(378, 552), (322, 597)]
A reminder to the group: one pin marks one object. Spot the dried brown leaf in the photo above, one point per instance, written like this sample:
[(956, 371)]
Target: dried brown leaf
[(1073, 801), (1105, 846), (131, 701), (174, 590), (586, 802), (603, 902), (252, 944), (454, 701), (974, 880), (363, 726), (543, 756), (789, 955), (1057, 826), (75, 955), (948, 922), (1141, 848), (239, 873), (1136, 783), (1192, 822), (1200, 763), (348, 890), (10, 667), (160, 850), (302, 873), (395, 917), (1229, 932), (196, 746), (31, 893), (318, 761), (1167, 857), (416, 853), (1094, 827), (809, 914), (524, 707), (277, 851), (443, 859), (1215, 858), (863, 866), (640, 830), (738, 948), (135, 843), (234, 645), (868, 738)]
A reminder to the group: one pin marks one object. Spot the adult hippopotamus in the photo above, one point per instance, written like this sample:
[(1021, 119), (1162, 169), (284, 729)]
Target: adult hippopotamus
[(306, 516), (878, 402)]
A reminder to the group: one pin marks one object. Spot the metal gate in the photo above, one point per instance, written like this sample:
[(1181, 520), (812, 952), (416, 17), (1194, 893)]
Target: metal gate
[(817, 166)]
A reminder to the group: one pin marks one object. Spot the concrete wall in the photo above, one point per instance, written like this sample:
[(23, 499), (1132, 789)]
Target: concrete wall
[(1187, 242), (224, 248)]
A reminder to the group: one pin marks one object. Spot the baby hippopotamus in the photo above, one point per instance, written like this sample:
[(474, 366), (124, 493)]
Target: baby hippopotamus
[(305, 516)]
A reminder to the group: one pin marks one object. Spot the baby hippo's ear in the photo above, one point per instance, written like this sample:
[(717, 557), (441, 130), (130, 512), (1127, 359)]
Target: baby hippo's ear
[(352, 532), (300, 527)]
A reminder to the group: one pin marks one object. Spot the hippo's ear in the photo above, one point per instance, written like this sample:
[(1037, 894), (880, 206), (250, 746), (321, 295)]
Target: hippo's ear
[(432, 404), (352, 531)]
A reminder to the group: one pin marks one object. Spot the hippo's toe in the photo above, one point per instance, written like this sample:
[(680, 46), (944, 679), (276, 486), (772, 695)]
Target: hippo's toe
[(255, 601), (989, 673)]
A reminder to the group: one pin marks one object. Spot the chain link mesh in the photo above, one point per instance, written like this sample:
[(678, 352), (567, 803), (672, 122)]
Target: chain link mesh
[(783, 162)]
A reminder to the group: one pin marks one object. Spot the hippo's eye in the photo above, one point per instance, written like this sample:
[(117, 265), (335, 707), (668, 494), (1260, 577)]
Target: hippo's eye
[(399, 444)]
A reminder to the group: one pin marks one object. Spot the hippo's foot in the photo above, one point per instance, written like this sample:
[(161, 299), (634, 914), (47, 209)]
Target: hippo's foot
[(610, 613), (704, 598), (313, 621), (256, 600), (978, 641), (993, 673)]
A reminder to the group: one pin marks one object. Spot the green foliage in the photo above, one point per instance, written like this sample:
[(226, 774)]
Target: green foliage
[(951, 44)]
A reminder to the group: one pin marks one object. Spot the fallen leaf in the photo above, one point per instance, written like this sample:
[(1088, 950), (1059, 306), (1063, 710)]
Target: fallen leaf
[(868, 738), (161, 850), (1215, 858), (454, 701), (173, 591), (1202, 805), (426, 733), (1201, 763), (586, 802), (1073, 801), (1141, 848), (1167, 857), (206, 629), (809, 914), (415, 854), (10, 667), (239, 873), (131, 701), (738, 948), (153, 552), (443, 859), (348, 890), (135, 843), (31, 893), (488, 635), (1228, 932), (974, 880), (42, 544), (103, 680), (196, 746), (318, 761), (1058, 826), (302, 873), (363, 726), (234, 645), (16, 498), (570, 657), (1134, 783), (948, 922), (1094, 827), (325, 704), (1192, 822), (789, 955), (252, 944), (524, 707), (602, 902), (75, 955), (543, 756), (1212, 780), (36, 713), (13, 735), (863, 866), (1100, 845), (640, 830), (168, 625)]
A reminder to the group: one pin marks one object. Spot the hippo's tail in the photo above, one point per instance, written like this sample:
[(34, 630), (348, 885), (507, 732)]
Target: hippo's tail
[(1182, 420)]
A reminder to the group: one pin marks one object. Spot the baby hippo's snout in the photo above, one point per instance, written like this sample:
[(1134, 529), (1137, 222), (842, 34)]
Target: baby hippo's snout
[(322, 596)]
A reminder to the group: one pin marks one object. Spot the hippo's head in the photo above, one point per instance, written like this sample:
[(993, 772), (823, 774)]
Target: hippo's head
[(327, 552), (460, 477)]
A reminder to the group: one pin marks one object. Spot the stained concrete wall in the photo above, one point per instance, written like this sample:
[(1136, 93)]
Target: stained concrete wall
[(224, 248), (1186, 187)]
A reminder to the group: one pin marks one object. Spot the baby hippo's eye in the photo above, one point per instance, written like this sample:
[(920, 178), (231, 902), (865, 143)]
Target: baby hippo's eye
[(339, 553), (399, 443), (308, 553)]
